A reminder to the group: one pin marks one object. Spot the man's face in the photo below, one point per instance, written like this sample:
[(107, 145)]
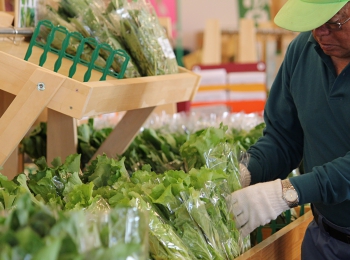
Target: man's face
[(335, 43)]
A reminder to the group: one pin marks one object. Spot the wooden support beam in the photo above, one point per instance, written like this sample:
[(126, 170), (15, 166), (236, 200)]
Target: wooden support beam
[(33, 97), (124, 132)]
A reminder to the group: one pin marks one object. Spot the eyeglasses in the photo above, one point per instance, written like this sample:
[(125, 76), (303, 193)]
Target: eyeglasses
[(335, 26)]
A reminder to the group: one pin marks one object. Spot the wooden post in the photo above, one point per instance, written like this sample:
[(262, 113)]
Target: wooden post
[(269, 52), (211, 52), (11, 167), (62, 135), (2, 6), (247, 48)]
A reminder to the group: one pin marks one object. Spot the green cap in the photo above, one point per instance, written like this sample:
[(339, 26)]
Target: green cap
[(306, 15)]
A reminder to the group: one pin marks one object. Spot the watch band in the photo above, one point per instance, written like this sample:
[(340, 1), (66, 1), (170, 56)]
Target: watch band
[(287, 186)]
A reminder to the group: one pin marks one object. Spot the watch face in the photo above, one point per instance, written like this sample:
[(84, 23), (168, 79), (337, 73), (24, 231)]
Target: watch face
[(291, 195)]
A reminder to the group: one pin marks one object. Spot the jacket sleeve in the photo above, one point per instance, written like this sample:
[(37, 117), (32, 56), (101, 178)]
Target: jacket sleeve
[(279, 151)]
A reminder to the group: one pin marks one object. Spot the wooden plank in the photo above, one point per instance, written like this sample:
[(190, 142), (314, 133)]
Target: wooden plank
[(70, 99), (211, 52), (80, 99), (11, 167), (16, 13), (128, 94), (25, 108), (284, 244), (247, 49), (168, 109), (124, 132), (62, 138), (6, 19), (2, 6)]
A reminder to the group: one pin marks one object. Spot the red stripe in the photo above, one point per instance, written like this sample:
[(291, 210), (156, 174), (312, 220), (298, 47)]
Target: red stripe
[(234, 67), (251, 106)]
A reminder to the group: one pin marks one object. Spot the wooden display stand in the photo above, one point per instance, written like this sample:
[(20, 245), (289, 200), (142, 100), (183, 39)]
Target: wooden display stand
[(283, 245), (67, 99)]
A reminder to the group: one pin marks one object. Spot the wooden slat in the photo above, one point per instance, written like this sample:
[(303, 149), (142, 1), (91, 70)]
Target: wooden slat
[(2, 6), (125, 131), (247, 49), (211, 52), (25, 108), (62, 136), (6, 19), (128, 94), (285, 244), (11, 167)]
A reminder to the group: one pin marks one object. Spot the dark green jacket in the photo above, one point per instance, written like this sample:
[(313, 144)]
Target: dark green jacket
[(307, 117)]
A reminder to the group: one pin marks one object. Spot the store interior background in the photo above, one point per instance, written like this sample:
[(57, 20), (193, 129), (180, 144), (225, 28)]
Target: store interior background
[(218, 32)]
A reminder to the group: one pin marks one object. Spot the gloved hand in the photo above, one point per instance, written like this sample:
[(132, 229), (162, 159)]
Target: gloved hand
[(256, 205)]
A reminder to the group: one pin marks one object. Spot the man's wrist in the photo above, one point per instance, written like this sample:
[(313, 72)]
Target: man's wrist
[(245, 177)]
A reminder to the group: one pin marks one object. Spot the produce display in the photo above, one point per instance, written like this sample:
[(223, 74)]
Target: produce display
[(132, 26), (185, 207), (159, 141)]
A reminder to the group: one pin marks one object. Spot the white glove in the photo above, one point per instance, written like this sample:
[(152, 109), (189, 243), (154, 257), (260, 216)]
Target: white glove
[(256, 205)]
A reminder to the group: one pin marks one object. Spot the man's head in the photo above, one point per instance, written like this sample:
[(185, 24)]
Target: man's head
[(306, 15)]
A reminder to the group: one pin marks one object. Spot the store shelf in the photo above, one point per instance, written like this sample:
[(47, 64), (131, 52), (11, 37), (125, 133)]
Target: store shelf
[(69, 98)]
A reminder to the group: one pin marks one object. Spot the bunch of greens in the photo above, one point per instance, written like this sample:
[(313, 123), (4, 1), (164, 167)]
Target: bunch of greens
[(131, 26), (188, 217), (27, 9), (155, 147), (135, 23), (35, 143), (160, 148), (35, 231), (88, 18), (90, 139), (247, 138), (187, 211)]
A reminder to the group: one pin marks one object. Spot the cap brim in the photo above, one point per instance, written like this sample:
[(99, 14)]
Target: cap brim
[(301, 16)]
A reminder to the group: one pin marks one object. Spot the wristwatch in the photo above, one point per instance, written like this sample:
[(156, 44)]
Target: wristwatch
[(289, 194)]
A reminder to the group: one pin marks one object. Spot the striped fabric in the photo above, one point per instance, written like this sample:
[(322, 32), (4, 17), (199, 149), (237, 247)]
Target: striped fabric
[(237, 87)]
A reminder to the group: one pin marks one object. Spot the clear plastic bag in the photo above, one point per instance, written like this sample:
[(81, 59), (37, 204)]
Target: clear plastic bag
[(138, 29)]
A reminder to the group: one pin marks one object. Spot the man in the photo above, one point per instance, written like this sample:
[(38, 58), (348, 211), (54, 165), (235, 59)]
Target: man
[(307, 118)]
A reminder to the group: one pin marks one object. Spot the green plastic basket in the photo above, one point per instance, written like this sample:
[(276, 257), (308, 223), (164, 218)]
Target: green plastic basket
[(61, 53)]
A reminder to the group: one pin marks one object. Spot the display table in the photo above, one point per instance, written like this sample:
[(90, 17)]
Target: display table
[(33, 88)]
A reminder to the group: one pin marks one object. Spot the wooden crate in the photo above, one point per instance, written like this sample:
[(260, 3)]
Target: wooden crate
[(283, 245)]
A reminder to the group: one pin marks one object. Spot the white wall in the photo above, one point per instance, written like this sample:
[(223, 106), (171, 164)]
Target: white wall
[(193, 15)]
